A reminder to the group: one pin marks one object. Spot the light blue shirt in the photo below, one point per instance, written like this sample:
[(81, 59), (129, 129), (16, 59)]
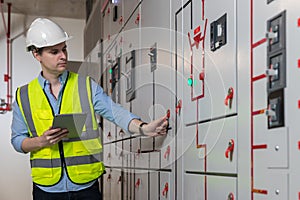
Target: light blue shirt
[(103, 105)]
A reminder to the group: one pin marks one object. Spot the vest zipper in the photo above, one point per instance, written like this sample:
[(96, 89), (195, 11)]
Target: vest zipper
[(62, 158)]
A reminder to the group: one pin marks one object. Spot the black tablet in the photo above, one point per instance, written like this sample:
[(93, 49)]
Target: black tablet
[(73, 122)]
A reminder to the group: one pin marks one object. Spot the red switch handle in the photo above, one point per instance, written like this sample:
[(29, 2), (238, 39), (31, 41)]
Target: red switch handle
[(109, 135), (108, 177), (121, 20), (167, 153), (229, 97), (137, 18), (120, 179), (230, 196), (179, 106), (168, 113), (138, 153), (121, 132), (166, 189), (137, 183), (230, 148)]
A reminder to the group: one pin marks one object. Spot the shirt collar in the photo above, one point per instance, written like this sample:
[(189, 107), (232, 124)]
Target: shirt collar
[(62, 79)]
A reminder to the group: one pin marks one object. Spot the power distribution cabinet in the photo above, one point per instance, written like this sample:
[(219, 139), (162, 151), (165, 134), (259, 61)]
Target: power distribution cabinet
[(227, 74)]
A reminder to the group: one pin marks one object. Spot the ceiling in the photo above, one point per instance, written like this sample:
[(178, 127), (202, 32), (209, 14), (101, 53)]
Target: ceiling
[(74, 9)]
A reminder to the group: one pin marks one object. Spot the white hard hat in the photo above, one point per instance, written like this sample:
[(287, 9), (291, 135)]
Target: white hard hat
[(44, 32)]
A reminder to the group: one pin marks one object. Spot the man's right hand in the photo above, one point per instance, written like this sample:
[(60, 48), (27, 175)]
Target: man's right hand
[(52, 136)]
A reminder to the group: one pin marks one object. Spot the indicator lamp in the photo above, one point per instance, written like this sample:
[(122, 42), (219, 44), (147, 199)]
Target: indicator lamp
[(190, 81)]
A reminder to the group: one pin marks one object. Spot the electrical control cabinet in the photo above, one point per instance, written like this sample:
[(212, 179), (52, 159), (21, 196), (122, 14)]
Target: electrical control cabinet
[(226, 74)]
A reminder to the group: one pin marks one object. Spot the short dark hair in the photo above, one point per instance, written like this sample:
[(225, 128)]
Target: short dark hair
[(35, 49)]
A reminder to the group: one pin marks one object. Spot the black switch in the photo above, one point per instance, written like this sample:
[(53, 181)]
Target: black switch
[(218, 33), (115, 13), (276, 109), (276, 33)]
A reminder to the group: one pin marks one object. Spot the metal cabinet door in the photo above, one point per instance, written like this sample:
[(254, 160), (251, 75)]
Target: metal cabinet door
[(220, 65), (216, 147), (107, 154), (154, 185), (277, 151), (116, 184), (226, 187), (140, 184), (108, 131), (166, 186), (166, 146), (107, 189), (194, 187)]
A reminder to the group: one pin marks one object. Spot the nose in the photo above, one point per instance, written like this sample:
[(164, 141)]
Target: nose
[(63, 55)]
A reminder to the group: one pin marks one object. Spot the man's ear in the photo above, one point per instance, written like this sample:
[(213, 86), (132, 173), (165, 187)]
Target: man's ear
[(36, 55)]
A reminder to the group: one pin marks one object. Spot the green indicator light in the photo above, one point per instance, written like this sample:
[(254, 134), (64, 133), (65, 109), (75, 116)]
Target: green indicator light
[(190, 81), (110, 71)]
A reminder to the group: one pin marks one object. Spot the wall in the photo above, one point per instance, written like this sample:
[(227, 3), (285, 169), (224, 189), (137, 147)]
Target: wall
[(15, 182)]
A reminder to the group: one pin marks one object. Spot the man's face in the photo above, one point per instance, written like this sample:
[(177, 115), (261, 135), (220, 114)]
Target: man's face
[(53, 59)]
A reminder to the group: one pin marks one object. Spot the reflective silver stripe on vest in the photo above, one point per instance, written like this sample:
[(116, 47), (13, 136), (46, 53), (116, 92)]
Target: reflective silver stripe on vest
[(45, 163), (70, 161), (27, 109), (81, 160), (85, 106)]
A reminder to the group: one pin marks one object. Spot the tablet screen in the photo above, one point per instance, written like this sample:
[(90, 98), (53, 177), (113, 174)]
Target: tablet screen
[(73, 122)]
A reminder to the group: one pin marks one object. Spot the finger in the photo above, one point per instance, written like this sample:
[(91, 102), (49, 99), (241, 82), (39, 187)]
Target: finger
[(58, 138), (59, 135), (163, 133), (166, 123), (62, 133), (52, 131), (165, 118), (159, 129), (164, 127)]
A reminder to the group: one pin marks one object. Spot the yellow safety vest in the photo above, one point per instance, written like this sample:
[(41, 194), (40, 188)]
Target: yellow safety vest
[(81, 157)]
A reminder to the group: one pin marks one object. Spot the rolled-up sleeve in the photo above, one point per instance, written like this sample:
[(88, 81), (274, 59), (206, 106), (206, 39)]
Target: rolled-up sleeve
[(19, 129), (110, 110)]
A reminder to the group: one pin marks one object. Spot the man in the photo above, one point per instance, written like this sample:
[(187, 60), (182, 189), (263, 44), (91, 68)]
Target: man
[(62, 167)]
